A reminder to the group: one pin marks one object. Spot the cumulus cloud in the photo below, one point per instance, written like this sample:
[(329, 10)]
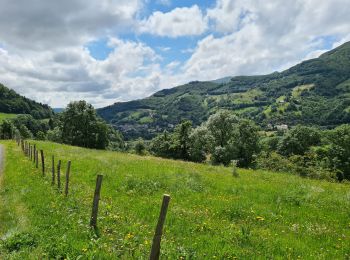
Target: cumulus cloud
[(130, 71), (183, 21), (32, 24), (262, 36), (42, 53)]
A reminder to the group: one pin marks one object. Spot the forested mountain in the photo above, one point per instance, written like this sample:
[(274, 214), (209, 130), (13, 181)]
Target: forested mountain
[(11, 102), (314, 92)]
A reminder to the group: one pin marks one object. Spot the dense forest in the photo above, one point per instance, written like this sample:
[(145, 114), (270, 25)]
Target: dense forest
[(315, 92), (13, 103)]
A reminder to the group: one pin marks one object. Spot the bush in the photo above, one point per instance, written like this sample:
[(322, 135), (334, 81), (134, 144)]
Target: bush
[(55, 135), (140, 147), (274, 162), (41, 136), (221, 156), (25, 132), (308, 165)]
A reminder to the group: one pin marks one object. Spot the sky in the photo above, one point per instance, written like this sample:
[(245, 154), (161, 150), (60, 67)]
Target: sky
[(107, 51)]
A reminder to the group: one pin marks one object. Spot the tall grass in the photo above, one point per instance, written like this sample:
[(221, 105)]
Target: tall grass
[(211, 214)]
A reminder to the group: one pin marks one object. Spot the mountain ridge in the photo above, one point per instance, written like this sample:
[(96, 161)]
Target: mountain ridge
[(313, 92)]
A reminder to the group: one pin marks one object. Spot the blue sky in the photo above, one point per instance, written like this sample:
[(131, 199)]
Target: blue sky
[(109, 51), (169, 48)]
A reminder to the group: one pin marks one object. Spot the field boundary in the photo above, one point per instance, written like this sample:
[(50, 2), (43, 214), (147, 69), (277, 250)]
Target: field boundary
[(32, 153)]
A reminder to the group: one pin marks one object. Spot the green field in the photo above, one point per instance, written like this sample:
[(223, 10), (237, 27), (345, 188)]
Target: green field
[(4, 116), (212, 215)]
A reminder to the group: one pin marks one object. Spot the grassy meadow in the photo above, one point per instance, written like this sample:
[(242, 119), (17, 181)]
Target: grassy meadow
[(212, 214), (4, 116)]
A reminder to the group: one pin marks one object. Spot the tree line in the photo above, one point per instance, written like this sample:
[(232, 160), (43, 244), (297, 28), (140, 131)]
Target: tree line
[(224, 139), (77, 125), (229, 140)]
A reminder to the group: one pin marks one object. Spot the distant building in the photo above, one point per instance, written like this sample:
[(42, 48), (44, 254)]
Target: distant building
[(282, 127)]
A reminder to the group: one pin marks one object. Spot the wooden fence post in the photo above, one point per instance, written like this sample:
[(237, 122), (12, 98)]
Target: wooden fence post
[(93, 220), (22, 145), (34, 153), (37, 159), (67, 178), (155, 251), (59, 175), (53, 170), (30, 152), (42, 162)]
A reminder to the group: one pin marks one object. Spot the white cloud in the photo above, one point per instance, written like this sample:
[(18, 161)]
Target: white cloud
[(32, 24), (130, 71), (262, 36), (42, 53), (183, 21)]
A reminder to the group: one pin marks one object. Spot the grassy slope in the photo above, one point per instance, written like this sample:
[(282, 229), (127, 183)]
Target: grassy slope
[(4, 116), (211, 214)]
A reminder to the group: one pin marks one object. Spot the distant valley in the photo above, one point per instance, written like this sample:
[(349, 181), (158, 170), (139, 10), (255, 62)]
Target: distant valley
[(314, 92)]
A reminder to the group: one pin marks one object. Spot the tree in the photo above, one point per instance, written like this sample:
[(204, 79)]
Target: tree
[(221, 127), (55, 135), (25, 132), (140, 147), (339, 150), (7, 130), (247, 142), (41, 136), (33, 125), (82, 127), (160, 145), (175, 145), (298, 140), (181, 139), (116, 141), (221, 155), (199, 144), (232, 139)]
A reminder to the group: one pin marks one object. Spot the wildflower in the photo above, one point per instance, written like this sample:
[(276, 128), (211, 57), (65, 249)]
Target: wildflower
[(129, 235), (260, 218), (84, 250)]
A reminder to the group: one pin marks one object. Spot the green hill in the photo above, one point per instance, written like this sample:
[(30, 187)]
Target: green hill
[(4, 116), (212, 215), (314, 92), (13, 103)]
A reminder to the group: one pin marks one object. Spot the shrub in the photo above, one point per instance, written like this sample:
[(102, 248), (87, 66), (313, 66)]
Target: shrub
[(140, 147)]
